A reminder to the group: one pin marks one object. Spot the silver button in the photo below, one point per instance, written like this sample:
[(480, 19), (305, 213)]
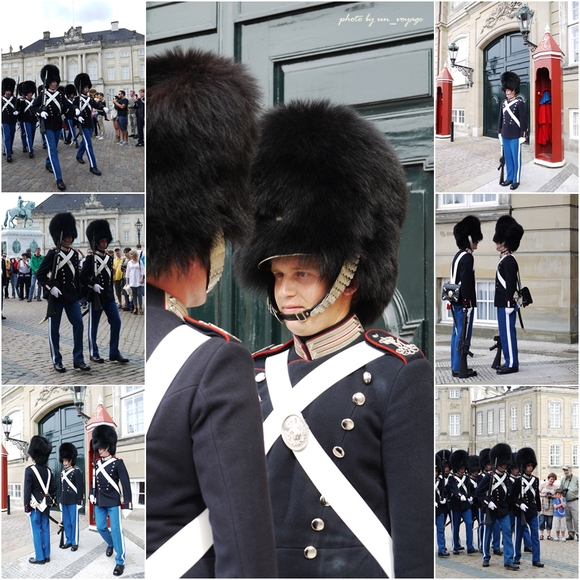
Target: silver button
[(323, 501), (338, 451), (367, 377), (310, 552), (317, 524), (347, 424), (358, 399), (260, 377)]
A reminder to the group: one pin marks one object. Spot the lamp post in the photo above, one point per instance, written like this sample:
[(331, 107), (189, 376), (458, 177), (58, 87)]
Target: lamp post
[(138, 227), (525, 18), (465, 70), (7, 427), (78, 394)]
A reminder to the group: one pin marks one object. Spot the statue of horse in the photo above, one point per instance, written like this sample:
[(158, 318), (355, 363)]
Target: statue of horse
[(25, 213)]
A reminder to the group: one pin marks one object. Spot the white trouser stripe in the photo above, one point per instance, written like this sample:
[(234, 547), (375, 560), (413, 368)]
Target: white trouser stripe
[(509, 338)]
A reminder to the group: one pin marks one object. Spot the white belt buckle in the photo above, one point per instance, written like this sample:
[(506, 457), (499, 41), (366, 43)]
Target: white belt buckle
[(295, 432)]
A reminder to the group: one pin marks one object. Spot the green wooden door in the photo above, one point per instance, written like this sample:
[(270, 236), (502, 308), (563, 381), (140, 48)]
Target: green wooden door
[(375, 57)]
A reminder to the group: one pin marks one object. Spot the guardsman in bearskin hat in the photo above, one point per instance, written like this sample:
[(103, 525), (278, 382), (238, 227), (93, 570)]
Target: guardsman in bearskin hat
[(467, 235), (330, 198), (197, 196), (514, 474), (441, 508), (460, 492), (70, 135), (10, 112), (507, 237), (475, 476), (110, 493), (97, 279), (59, 275), (86, 103), (493, 492), (512, 128), (50, 105), (72, 492), (39, 488), (27, 117), (526, 497), (444, 455), (486, 467)]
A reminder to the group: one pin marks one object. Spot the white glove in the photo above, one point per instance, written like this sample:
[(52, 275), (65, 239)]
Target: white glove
[(77, 112), (92, 499), (126, 513), (500, 138), (491, 506), (524, 507), (444, 500), (55, 292), (15, 113), (508, 311), (470, 500), (98, 289), (44, 115), (522, 140), (462, 497), (81, 120), (106, 109)]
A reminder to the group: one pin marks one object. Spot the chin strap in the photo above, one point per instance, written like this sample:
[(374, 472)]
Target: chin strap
[(342, 282), (216, 261)]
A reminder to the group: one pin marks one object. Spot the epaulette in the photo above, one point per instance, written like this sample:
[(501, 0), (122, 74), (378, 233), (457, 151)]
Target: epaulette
[(272, 349), (394, 345), (211, 329)]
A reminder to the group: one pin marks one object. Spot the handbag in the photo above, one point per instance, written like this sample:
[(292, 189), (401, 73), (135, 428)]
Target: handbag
[(450, 292)]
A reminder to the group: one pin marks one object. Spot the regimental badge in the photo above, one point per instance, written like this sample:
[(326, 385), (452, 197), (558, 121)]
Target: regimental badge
[(404, 348), (392, 344), (295, 432)]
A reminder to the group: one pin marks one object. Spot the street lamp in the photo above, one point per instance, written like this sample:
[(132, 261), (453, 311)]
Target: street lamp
[(138, 226), (525, 18), (78, 394), (466, 70), (7, 427)]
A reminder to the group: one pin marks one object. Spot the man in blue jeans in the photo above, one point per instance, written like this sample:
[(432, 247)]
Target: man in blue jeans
[(121, 104)]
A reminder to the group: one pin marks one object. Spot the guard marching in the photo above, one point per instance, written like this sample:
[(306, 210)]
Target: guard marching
[(10, 112), (72, 493)]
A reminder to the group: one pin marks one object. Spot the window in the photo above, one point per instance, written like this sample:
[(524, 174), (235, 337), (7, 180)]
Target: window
[(575, 455), (110, 55), (141, 71), (456, 200), (29, 63), (4, 67), (573, 32), (138, 493), (93, 69), (454, 424), (72, 70), (141, 52), (554, 415), (133, 416), (502, 420), (458, 116), (126, 236), (436, 394), (14, 65), (125, 53), (513, 418), (436, 424), (454, 393), (574, 415), (574, 124), (485, 295), (28, 78), (110, 73), (490, 422), (15, 489), (124, 72), (479, 423), (110, 94), (39, 62), (527, 415), (555, 455), (453, 199)]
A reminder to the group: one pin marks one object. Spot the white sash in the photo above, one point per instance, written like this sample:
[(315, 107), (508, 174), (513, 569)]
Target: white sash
[(64, 260), (101, 470), (71, 484), (102, 264), (84, 102), (42, 505), (527, 486), (51, 98), (7, 102), (454, 268), (497, 481), (507, 107)]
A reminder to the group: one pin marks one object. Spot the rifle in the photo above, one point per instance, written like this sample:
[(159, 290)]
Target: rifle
[(501, 166), (497, 346), (463, 346), (488, 520), (50, 312), (96, 298)]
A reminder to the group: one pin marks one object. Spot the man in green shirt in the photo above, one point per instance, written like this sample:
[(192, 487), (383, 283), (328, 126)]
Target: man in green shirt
[(570, 486), (35, 262)]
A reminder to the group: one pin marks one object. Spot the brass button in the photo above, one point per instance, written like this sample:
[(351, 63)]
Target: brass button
[(367, 377), (310, 552), (260, 377), (338, 451), (347, 424), (317, 524), (323, 501), (358, 399)]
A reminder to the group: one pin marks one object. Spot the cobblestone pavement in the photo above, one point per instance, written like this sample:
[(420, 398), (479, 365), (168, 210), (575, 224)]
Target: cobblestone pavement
[(89, 561), (471, 164), (560, 560), (541, 363), (26, 356), (122, 167)]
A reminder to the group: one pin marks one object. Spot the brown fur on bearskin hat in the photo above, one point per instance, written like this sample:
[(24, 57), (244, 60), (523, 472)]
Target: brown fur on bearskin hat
[(326, 182), (524, 456), (500, 454), (202, 131), (49, 73), (510, 80), (39, 449), (458, 459), (105, 437), (63, 222), (8, 84), (68, 451), (469, 226), (98, 230), (508, 232), (82, 80)]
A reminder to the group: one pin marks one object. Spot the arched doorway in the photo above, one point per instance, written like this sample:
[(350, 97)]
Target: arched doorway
[(505, 53), (60, 425)]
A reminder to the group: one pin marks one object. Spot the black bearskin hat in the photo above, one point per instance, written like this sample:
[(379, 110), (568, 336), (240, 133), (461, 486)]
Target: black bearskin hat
[(438, 465), (28, 87), (39, 449), (508, 232), (98, 230), (473, 463), (458, 459), (105, 437), (68, 451), (524, 456), (484, 458), (510, 80), (201, 140), (49, 73), (500, 454), (444, 455), (70, 91), (8, 84), (326, 182), (468, 227), (63, 222), (82, 80)]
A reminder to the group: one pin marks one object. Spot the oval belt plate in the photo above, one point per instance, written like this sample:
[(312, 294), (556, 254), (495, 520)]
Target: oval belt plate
[(295, 432)]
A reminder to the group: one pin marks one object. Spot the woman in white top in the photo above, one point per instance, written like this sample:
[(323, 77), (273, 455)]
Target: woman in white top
[(135, 276)]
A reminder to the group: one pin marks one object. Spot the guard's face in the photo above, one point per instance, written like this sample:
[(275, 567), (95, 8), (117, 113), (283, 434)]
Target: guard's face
[(52, 85), (67, 241), (65, 462), (529, 468), (500, 247), (103, 244), (509, 93)]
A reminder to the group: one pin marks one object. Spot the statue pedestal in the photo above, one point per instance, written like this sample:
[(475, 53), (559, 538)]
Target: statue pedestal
[(15, 241)]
